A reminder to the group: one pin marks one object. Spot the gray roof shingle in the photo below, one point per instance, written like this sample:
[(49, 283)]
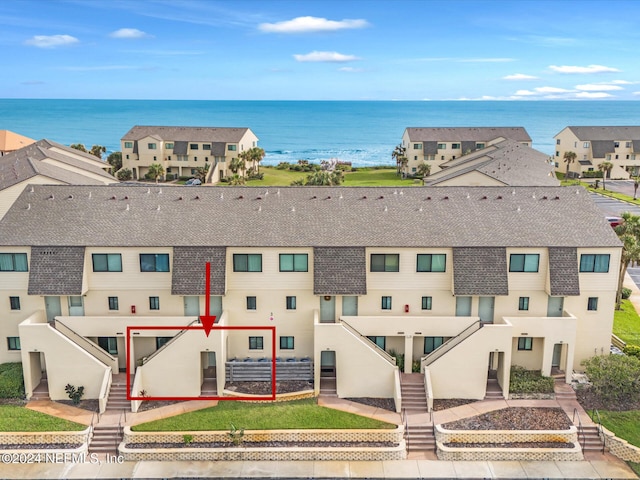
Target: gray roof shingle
[(187, 134), (480, 271), (339, 271), (56, 270), (605, 133), (470, 134), (123, 215), (188, 276), (599, 148), (563, 271)]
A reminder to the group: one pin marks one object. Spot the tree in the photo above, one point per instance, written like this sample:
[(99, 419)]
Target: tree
[(605, 168), (629, 234), (255, 156), (201, 173), (124, 175), (569, 157), (79, 146), (155, 170), (236, 180), (635, 187), (115, 160), (423, 170), (323, 178), (98, 150), (614, 378), (398, 154), (235, 164)]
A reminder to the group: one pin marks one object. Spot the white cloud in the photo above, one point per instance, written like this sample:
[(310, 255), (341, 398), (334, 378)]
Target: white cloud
[(598, 87), (619, 82), (128, 33), (350, 69), (519, 76), (332, 57), (577, 69), (311, 24), (51, 41), (525, 93), (551, 90), (593, 95)]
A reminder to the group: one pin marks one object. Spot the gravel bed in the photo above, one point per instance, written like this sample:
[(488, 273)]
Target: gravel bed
[(90, 405), (511, 445), (383, 403), (39, 446), (264, 445), (515, 418), (445, 403), (264, 388)]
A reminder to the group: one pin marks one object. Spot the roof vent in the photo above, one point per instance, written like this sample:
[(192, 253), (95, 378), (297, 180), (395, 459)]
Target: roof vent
[(126, 197), (499, 197), (32, 190), (420, 209), (28, 206), (513, 192), (519, 209), (293, 209), (278, 192), (179, 198), (222, 196), (197, 197), (380, 197), (127, 207), (364, 197), (240, 197), (328, 198), (385, 208), (428, 198), (341, 197), (484, 197), (160, 192), (445, 198), (51, 197), (395, 192), (314, 197), (533, 196), (158, 208), (258, 198), (468, 196), (89, 194), (544, 198), (260, 208), (577, 192), (401, 192), (70, 197), (148, 190), (113, 197), (556, 197)]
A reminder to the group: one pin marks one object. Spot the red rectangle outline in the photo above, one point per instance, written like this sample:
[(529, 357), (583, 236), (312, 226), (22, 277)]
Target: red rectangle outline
[(192, 327)]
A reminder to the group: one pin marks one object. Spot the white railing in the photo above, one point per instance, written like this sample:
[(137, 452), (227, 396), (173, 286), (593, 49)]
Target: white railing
[(428, 389), (166, 345), (105, 388), (451, 343), (137, 388), (87, 345), (397, 390), (374, 345)]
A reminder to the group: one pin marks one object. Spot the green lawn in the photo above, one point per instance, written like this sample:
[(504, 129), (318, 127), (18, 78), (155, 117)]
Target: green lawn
[(361, 177), (300, 414), (21, 419), (626, 323), (624, 424), (275, 177)]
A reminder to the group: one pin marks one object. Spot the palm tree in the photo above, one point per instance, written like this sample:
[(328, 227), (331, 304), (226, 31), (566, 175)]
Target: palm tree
[(256, 154), (235, 164), (605, 168), (156, 170), (115, 160), (79, 146), (629, 233), (98, 150), (569, 157), (424, 169), (398, 154)]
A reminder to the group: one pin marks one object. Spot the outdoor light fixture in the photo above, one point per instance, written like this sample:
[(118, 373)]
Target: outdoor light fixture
[(327, 297)]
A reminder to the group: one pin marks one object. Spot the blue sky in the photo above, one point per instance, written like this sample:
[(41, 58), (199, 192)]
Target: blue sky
[(320, 50)]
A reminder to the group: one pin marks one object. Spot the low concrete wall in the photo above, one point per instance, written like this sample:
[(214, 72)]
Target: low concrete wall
[(527, 454), (501, 436), (281, 397), (30, 438), (621, 448)]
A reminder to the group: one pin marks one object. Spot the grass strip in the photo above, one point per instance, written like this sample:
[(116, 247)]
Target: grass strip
[(625, 425), (626, 323), (20, 419)]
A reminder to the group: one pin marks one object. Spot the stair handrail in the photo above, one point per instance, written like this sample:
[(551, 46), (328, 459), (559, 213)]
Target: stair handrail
[(403, 417), (377, 348), (452, 342), (166, 345), (599, 427), (84, 343), (580, 428)]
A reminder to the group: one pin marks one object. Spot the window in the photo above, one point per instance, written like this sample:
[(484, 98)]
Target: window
[(523, 303), (431, 343), (524, 262), (431, 262), (385, 262), (195, 159), (426, 303), (107, 262), (442, 146), (386, 303), (251, 303), (15, 303), (455, 146), (585, 145), (193, 146), (154, 262), (232, 148), (151, 146), (414, 169), (628, 145), (608, 156), (255, 343), (13, 262), (557, 153), (206, 159), (109, 344), (206, 146), (294, 262), (113, 303), (128, 144), (479, 146), (417, 146), (616, 144), (13, 343), (598, 263), (160, 341), (168, 145), (286, 343), (525, 343), (379, 341), (247, 262), (558, 142), (291, 303), (154, 303), (592, 303)]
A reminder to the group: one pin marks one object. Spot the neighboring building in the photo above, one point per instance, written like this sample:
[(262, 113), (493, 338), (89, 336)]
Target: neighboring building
[(10, 141), (512, 275), (595, 145), (47, 162), (180, 150), (503, 163), (437, 145)]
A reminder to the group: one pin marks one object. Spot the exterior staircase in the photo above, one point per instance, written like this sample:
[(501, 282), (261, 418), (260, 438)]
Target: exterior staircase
[(328, 387), (118, 394), (494, 392), (209, 386), (106, 439), (591, 442), (41, 392), (564, 392), (420, 438), (414, 398)]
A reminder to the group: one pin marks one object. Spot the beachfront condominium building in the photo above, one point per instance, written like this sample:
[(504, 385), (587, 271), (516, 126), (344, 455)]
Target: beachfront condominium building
[(181, 150), (437, 145), (325, 280), (595, 145)]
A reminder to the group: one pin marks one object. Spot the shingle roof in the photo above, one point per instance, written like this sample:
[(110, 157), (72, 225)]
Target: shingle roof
[(305, 216), (188, 270), (507, 161), (339, 271), (480, 271), (187, 134), (605, 133), (563, 271), (56, 270), (599, 148), (32, 160), (471, 134)]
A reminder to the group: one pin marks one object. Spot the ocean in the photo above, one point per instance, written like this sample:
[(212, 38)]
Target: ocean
[(361, 132)]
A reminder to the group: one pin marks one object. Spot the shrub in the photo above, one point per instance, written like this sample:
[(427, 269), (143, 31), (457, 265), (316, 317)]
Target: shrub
[(236, 434), (626, 293), (75, 394), (614, 377), (11, 380), (594, 174), (632, 350), (124, 174), (187, 439), (529, 381)]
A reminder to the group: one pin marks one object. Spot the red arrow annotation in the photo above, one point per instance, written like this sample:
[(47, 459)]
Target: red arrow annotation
[(207, 319)]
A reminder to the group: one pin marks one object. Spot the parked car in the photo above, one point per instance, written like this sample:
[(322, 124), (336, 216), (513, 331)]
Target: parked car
[(615, 221), (193, 181)]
